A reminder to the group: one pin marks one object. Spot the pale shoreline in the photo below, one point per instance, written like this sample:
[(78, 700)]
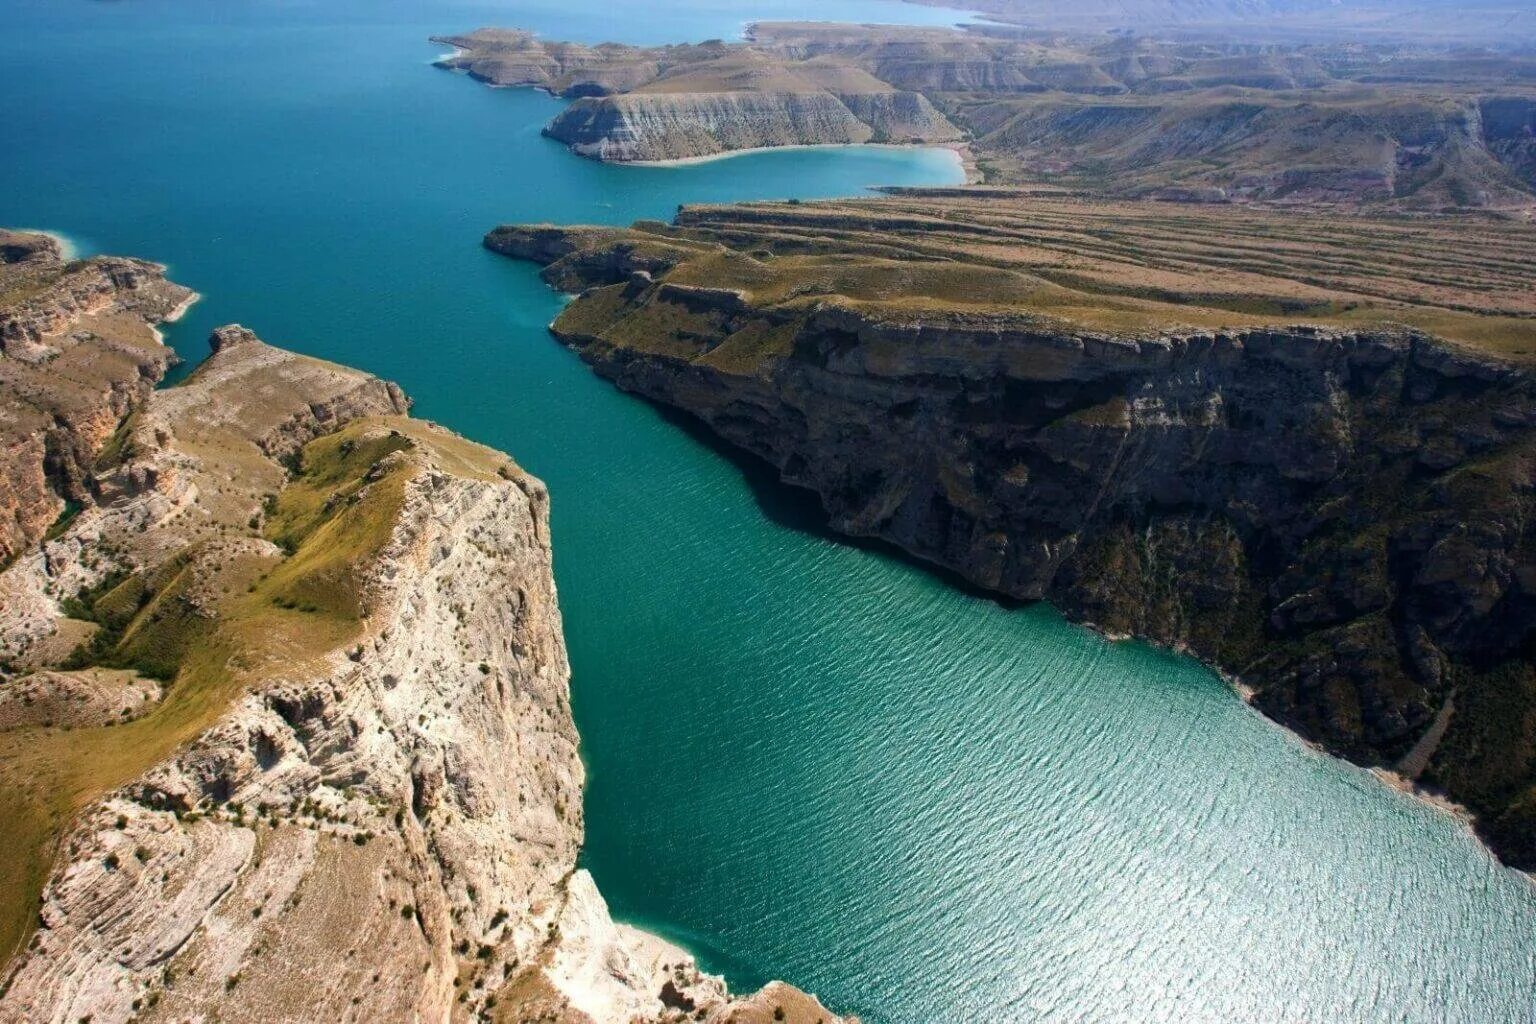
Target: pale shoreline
[(69, 249), (959, 151), (1388, 777), (176, 314)]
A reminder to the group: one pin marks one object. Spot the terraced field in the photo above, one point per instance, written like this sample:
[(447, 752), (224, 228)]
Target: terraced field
[(1125, 267)]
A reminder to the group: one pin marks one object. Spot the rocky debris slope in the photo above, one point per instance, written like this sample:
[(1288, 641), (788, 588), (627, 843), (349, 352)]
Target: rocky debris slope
[(356, 794), (78, 352), (1338, 515)]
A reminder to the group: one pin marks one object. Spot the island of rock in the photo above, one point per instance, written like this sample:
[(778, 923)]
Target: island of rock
[(285, 730)]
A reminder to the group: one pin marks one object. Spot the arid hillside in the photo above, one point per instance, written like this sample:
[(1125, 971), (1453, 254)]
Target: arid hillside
[(1384, 125)]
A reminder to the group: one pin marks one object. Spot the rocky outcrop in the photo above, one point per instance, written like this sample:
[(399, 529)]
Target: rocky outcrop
[(672, 126), (682, 102), (77, 353), (1338, 516), (90, 697), (357, 794), (1336, 125)]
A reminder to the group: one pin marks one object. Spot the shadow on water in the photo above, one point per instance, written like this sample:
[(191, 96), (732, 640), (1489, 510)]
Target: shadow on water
[(798, 508)]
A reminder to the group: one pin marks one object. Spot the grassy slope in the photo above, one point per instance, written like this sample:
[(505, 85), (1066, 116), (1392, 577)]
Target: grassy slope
[(1126, 267), (273, 616)]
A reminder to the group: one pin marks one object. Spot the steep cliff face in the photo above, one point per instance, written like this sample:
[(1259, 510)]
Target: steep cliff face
[(77, 353), (311, 756), (1508, 125), (1339, 517), (682, 102), (672, 126)]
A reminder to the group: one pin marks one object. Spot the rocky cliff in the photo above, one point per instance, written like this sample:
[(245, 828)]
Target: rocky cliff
[(1385, 123), (681, 102), (77, 353), (285, 732), (1335, 513), (673, 126)]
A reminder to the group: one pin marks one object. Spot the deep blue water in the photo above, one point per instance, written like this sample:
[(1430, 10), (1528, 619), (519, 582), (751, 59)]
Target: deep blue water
[(807, 760)]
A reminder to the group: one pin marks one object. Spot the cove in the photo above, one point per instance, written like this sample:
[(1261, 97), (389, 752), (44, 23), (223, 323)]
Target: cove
[(808, 760)]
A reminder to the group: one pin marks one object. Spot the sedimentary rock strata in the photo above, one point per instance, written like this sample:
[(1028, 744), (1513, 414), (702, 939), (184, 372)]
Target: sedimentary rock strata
[(78, 352), (1423, 126), (1112, 409), (285, 731), (680, 102)]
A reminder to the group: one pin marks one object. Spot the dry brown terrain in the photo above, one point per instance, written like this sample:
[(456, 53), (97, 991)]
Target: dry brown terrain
[(1389, 124), (1119, 267)]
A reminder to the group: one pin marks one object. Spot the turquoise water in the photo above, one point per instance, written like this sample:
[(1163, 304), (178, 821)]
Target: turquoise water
[(808, 760)]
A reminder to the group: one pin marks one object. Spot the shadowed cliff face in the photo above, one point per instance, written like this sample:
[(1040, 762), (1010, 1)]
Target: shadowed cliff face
[(1337, 515)]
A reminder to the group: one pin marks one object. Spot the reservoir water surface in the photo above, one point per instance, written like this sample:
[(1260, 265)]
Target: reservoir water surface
[(807, 759)]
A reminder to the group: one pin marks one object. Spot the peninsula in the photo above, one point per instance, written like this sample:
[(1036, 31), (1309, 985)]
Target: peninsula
[(283, 684), (1299, 447)]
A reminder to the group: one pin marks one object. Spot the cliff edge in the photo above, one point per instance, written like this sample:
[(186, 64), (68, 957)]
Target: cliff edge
[(285, 731), (1293, 448), (1381, 123), (78, 352), (634, 104)]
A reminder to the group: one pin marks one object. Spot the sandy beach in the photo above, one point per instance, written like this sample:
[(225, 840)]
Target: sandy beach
[(959, 153)]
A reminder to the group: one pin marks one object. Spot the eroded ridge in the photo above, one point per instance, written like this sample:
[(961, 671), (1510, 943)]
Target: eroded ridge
[(78, 352), (1419, 124)]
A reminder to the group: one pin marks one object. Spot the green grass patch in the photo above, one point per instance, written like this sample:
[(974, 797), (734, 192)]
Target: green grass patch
[(213, 624), (67, 516), (119, 447)]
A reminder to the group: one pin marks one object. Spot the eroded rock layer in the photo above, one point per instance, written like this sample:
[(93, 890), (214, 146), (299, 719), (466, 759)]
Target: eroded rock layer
[(78, 352), (1337, 511), (1422, 126), (285, 732), (681, 102)]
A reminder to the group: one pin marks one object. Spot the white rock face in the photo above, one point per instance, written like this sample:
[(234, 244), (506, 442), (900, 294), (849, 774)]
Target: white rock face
[(387, 832), (673, 126)]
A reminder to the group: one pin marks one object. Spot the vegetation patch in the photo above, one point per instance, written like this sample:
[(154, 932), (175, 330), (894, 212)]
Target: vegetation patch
[(212, 621)]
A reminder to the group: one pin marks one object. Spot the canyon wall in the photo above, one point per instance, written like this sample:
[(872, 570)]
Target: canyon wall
[(1338, 517), (77, 353), (285, 731), (1380, 123), (673, 126)]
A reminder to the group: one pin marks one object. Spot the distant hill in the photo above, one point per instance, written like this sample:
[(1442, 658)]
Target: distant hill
[(1492, 22)]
